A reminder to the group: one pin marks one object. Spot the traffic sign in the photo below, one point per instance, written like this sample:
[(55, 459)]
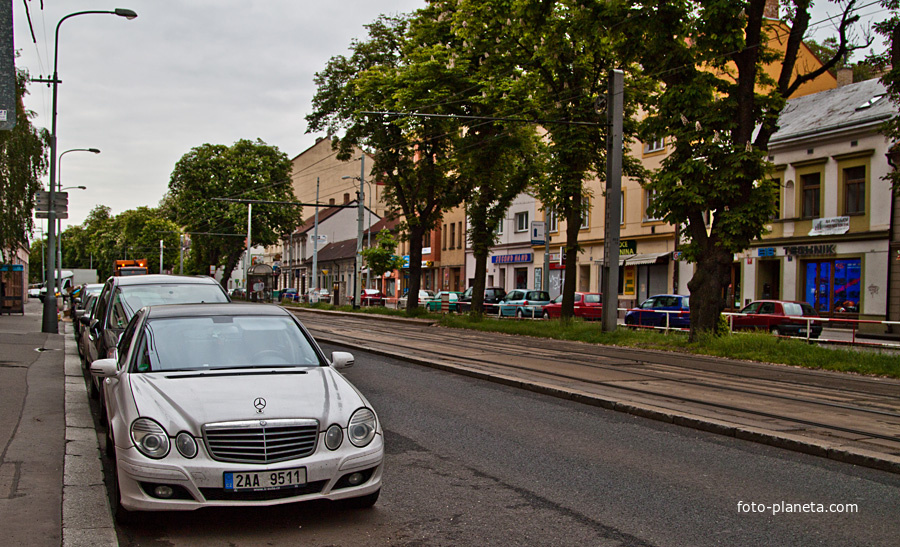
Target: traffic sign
[(42, 200)]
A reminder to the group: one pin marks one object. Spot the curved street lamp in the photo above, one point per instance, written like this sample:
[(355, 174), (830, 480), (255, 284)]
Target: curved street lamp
[(59, 220), (49, 320)]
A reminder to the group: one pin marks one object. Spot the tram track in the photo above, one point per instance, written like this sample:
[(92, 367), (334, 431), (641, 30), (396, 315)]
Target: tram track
[(846, 406)]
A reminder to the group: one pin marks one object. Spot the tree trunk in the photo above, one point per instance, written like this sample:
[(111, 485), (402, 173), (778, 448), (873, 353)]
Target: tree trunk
[(478, 285), (415, 267), (573, 226), (711, 277)]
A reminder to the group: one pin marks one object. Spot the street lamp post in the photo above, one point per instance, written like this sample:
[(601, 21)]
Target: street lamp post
[(49, 320), (60, 189)]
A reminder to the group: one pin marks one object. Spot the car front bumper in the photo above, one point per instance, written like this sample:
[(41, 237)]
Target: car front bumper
[(199, 482)]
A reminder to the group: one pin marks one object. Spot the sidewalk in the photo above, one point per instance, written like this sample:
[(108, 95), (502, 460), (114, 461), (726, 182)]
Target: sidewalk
[(51, 481)]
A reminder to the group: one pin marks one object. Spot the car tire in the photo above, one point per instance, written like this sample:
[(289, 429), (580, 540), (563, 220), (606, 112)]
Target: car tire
[(520, 314), (122, 515), (545, 315), (110, 448), (362, 502), (775, 331)]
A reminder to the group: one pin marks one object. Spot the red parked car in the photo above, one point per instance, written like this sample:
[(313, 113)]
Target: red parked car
[(780, 317), (370, 297), (588, 306)]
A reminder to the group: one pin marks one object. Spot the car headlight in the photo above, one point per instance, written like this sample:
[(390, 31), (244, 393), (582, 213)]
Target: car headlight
[(150, 438), (186, 444), (361, 430), (333, 437)]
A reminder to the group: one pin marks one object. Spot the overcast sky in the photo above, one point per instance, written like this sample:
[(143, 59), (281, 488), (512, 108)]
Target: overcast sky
[(185, 73)]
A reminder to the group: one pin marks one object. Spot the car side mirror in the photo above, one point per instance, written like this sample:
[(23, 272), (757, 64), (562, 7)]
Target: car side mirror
[(342, 359), (105, 368), (85, 320)]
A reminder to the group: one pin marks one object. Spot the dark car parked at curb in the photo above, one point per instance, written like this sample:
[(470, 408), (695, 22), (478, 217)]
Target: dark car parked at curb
[(122, 297), (781, 317), (661, 310), (492, 297)]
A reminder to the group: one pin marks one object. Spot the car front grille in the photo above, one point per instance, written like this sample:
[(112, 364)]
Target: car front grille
[(261, 441)]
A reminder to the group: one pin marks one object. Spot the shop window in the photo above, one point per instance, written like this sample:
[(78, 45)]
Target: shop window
[(855, 190), (832, 286), (811, 193), (521, 278)]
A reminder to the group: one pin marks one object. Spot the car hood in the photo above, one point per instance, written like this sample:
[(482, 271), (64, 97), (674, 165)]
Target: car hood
[(185, 401)]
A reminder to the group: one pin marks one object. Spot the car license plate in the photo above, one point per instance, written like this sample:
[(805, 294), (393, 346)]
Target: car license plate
[(242, 481), (802, 331)]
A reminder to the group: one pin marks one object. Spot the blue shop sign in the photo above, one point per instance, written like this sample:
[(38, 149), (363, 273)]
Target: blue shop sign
[(512, 259)]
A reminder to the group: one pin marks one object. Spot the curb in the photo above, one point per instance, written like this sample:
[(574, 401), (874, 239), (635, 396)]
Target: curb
[(795, 443), (86, 517)]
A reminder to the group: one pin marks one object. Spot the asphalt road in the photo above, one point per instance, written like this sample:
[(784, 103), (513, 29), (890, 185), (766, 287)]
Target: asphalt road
[(474, 463)]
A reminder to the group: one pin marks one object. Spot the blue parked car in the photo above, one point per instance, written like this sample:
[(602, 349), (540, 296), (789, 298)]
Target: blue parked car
[(524, 303), (652, 312)]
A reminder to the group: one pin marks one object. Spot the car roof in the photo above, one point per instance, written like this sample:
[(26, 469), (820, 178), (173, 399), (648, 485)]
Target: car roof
[(220, 309), (162, 279)]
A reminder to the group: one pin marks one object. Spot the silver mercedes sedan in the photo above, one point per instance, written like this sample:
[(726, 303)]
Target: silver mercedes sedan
[(233, 405)]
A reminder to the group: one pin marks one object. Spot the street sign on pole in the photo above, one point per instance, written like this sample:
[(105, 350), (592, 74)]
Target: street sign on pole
[(537, 232)]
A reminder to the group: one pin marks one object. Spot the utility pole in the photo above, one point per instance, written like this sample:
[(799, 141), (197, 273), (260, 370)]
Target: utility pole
[(181, 257), (315, 266), (247, 261), (545, 281), (610, 270), (357, 279), (161, 246)]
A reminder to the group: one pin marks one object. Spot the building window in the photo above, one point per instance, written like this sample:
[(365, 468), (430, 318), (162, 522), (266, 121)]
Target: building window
[(452, 234), (776, 212), (444, 239), (585, 213), (811, 191), (500, 224), (459, 234), (649, 196), (855, 190), (553, 220), (655, 145), (522, 221)]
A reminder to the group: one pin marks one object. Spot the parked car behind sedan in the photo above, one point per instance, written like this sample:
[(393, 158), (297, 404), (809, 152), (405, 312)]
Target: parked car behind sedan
[(781, 317), (654, 311), (122, 296), (435, 303), (318, 295), (588, 306), (253, 414), (523, 303)]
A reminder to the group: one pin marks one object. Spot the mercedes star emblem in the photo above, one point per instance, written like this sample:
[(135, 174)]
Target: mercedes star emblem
[(260, 404)]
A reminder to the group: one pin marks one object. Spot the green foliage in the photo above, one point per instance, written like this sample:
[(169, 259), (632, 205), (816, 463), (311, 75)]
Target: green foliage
[(245, 170), (889, 29), (23, 161), (400, 68), (382, 258)]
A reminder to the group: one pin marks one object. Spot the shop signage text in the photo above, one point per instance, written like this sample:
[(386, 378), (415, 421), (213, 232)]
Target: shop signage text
[(627, 247), (512, 259), (766, 251), (810, 250), (830, 226)]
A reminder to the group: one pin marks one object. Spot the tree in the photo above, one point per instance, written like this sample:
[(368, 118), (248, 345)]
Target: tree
[(889, 61), (565, 49), (245, 170), (400, 68), (719, 109), (382, 257), (23, 161)]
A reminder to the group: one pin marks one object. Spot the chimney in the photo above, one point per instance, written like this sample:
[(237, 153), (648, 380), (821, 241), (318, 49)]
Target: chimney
[(771, 9), (844, 76)]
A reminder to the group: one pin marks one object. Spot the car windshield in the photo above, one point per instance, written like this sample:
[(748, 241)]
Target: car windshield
[(136, 297), (222, 342)]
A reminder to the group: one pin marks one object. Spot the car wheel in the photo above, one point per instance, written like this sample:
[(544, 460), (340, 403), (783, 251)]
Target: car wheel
[(362, 502), (545, 315), (110, 448), (775, 331), (520, 314)]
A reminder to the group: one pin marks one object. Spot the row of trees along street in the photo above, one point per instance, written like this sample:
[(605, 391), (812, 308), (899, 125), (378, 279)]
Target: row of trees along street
[(480, 69), (695, 69)]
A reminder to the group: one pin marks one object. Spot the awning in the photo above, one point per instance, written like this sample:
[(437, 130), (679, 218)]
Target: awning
[(647, 258)]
